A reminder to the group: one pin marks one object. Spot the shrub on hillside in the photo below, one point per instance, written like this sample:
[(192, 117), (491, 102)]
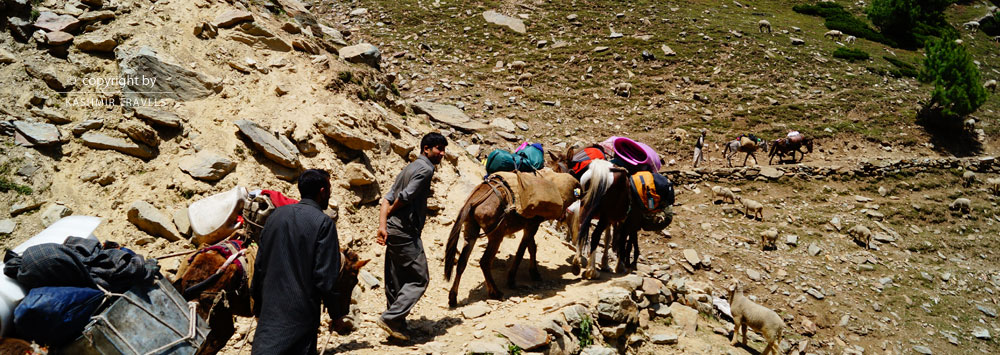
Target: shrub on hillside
[(839, 19), (850, 54), (901, 68), (957, 88), (910, 22)]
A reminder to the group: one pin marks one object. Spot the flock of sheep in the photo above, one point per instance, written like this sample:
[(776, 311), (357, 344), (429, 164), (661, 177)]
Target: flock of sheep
[(767, 322)]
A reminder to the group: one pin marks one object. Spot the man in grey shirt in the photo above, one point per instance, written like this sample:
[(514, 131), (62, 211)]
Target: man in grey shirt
[(401, 220)]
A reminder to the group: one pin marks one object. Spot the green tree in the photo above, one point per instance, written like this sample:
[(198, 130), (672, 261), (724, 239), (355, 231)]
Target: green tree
[(910, 22), (957, 90)]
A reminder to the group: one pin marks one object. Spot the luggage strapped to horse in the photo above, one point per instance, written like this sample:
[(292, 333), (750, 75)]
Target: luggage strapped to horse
[(651, 190)]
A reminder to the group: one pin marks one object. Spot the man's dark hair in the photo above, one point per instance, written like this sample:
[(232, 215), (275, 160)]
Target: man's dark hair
[(311, 181), (433, 139)]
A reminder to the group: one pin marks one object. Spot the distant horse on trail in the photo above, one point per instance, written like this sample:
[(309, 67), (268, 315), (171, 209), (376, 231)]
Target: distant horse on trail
[(790, 145), (740, 146), (218, 279), (491, 207)]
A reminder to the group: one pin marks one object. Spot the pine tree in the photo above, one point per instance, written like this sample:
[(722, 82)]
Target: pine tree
[(957, 88)]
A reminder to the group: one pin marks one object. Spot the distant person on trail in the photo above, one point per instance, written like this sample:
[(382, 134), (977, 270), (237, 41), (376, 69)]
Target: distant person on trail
[(401, 221), (297, 266), (698, 156)]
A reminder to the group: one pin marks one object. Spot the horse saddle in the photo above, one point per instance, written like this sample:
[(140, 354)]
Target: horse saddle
[(797, 138)]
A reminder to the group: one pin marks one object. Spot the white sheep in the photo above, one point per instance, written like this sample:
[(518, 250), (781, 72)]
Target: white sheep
[(961, 204), (971, 25), (517, 89), (994, 185), (769, 238), (969, 124), (833, 34), (762, 24), (850, 39), (622, 89), (990, 85), (724, 193), (968, 177), (761, 319), (959, 42), (861, 234), (996, 39), (525, 79), (752, 206), (518, 65)]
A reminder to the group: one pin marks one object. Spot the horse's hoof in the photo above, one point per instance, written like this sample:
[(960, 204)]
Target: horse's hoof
[(452, 301), (575, 268)]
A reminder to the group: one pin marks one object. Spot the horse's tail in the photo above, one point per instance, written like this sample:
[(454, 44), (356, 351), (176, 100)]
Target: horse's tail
[(596, 187), (451, 248)]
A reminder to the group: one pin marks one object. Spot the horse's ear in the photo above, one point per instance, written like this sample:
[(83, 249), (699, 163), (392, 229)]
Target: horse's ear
[(360, 264), (555, 159)]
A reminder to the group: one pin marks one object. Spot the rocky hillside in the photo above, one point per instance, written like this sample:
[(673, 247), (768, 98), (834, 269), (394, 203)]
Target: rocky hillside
[(131, 110)]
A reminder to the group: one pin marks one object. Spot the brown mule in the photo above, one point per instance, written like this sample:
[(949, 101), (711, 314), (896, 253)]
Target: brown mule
[(490, 207), (222, 290), (785, 146)]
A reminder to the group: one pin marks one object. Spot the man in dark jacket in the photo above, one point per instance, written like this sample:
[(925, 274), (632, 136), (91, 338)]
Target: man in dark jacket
[(401, 220), (297, 267)]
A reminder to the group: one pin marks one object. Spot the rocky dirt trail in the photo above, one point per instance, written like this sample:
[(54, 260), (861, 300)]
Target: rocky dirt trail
[(280, 86)]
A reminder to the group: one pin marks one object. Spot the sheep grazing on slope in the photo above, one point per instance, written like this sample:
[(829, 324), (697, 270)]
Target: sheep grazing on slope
[(517, 89), (752, 206), (759, 318), (833, 34), (991, 84), (971, 25), (762, 24), (969, 124), (524, 79), (769, 238), (961, 204), (861, 234), (850, 39), (968, 177), (518, 65), (994, 185), (622, 89), (724, 193)]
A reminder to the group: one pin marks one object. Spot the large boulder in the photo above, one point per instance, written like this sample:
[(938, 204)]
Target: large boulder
[(685, 317), (230, 18), (206, 165), (525, 336), (358, 175), (343, 136), (265, 142), (159, 117), (50, 22), (615, 304), (147, 75), (100, 141), (140, 132), (364, 53), (449, 115), (54, 213), (499, 19), (95, 43), (150, 220), (41, 134), (52, 80), (258, 37)]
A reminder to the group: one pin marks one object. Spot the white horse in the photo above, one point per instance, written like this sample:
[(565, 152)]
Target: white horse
[(735, 146)]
